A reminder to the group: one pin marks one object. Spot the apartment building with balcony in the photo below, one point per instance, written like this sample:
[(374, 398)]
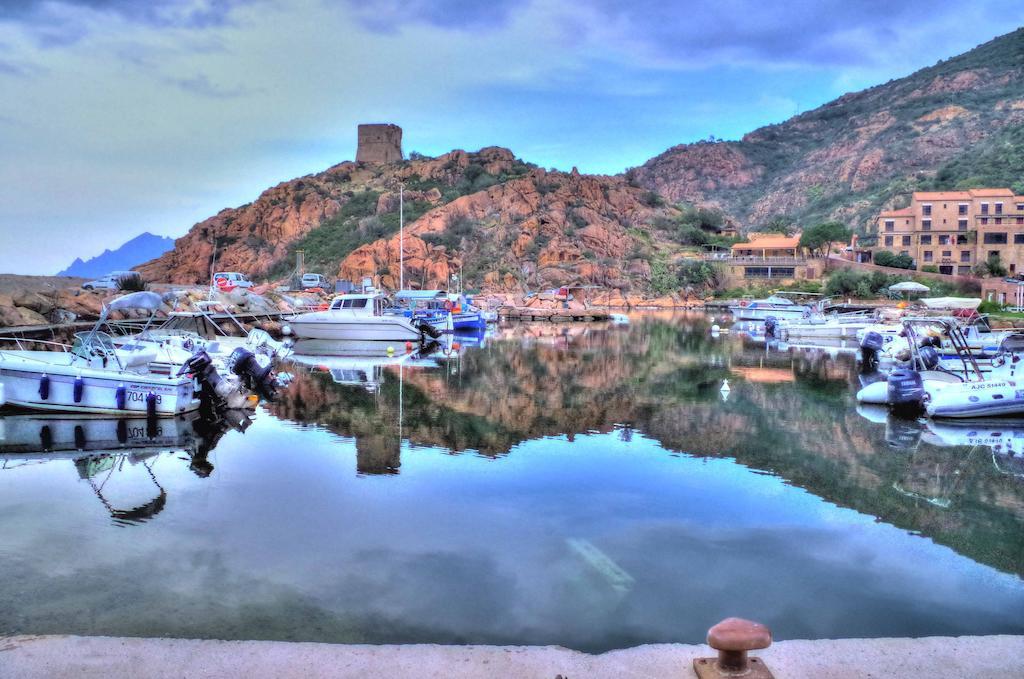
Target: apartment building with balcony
[(955, 230)]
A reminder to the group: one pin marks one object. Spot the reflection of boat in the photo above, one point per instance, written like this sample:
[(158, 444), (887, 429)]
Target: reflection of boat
[(1002, 436), (359, 317), (364, 371), (44, 436)]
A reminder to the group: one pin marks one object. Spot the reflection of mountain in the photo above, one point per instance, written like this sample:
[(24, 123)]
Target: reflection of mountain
[(790, 413)]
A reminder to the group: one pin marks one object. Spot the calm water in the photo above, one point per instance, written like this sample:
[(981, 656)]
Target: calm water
[(579, 486)]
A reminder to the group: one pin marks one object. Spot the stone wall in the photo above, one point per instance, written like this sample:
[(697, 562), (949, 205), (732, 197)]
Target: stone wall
[(379, 143)]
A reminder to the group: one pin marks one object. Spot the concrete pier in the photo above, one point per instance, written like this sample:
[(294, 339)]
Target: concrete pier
[(120, 657)]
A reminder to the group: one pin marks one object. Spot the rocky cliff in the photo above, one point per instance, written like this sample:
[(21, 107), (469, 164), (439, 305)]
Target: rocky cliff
[(848, 158), (501, 222)]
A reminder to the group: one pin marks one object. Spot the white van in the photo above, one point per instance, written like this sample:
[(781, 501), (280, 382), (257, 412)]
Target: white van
[(314, 280), (108, 282), (232, 279)]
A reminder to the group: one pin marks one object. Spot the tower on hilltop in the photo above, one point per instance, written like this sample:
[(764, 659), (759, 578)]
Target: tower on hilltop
[(379, 143)]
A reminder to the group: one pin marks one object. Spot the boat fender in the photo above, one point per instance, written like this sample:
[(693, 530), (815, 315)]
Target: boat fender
[(46, 438), (79, 437), (78, 389), (150, 404), (44, 387), (121, 397), (771, 327), (122, 432), (906, 390)]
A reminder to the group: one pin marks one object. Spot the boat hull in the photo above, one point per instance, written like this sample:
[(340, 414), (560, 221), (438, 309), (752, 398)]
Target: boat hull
[(98, 393), (754, 313), (378, 329), (979, 399)]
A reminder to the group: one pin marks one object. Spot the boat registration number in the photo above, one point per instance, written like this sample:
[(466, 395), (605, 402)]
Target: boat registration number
[(140, 397)]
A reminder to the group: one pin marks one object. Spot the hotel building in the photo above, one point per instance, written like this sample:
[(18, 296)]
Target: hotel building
[(955, 230)]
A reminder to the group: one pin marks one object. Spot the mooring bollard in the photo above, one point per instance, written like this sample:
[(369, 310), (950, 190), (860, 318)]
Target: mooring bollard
[(732, 638)]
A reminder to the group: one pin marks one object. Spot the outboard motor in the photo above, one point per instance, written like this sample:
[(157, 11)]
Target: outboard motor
[(256, 377), (906, 390), (869, 348), (212, 384), (771, 327), (929, 357)]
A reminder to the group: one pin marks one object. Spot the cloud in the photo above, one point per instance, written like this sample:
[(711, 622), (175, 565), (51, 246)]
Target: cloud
[(387, 16), (202, 86), (58, 23)]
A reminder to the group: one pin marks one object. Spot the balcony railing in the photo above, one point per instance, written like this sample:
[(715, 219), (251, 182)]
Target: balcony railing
[(758, 261)]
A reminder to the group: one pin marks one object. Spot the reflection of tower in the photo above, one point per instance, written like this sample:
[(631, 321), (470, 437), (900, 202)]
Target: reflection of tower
[(380, 452)]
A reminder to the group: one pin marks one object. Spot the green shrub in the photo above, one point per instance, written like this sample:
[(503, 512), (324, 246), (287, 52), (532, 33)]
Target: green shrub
[(891, 259), (930, 268), (989, 307)]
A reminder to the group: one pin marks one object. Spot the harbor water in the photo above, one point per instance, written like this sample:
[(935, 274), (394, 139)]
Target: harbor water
[(590, 485)]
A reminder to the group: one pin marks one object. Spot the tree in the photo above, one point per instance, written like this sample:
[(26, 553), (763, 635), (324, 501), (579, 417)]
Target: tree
[(778, 224), (892, 260), (821, 237)]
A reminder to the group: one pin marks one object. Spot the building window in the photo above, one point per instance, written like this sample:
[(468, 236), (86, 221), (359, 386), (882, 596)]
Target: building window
[(984, 208), (926, 209), (962, 225), (994, 239), (926, 224), (1020, 220), (926, 240), (946, 254), (963, 271), (769, 272), (943, 240), (993, 254), (984, 220), (962, 208), (999, 221), (905, 252), (961, 239), (906, 240), (999, 208), (1020, 207), (890, 225), (888, 240), (965, 256), (1018, 239), (927, 255), (948, 270)]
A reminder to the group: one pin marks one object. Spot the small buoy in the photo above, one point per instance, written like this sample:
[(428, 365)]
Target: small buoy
[(456, 346), (391, 351), (78, 389), (725, 386), (408, 347), (712, 319), (79, 437), (120, 396), (286, 329), (44, 387), (715, 330)]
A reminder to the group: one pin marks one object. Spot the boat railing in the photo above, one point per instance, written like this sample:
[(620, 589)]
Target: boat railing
[(18, 341)]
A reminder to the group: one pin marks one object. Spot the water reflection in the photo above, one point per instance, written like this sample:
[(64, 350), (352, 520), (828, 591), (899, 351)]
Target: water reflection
[(577, 485)]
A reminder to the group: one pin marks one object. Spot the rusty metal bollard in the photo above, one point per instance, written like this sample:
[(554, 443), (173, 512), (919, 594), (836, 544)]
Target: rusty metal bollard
[(732, 638)]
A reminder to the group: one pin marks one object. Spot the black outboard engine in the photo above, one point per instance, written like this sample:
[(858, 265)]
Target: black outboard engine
[(427, 329), (869, 348), (771, 327), (906, 390), (201, 365), (256, 377), (929, 358)]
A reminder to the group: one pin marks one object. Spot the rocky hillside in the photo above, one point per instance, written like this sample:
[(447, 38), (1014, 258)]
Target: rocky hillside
[(502, 223), (959, 123)]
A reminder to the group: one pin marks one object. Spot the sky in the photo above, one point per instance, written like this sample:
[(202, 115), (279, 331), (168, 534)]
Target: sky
[(124, 116)]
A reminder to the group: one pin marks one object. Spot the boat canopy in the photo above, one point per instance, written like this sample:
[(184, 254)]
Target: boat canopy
[(136, 300), (952, 302), (418, 295)]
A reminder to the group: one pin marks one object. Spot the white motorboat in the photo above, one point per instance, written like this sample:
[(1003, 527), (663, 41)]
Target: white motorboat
[(91, 377), (778, 305), (358, 317)]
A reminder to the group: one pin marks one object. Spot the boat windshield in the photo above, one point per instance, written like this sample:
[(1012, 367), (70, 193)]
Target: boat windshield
[(89, 345)]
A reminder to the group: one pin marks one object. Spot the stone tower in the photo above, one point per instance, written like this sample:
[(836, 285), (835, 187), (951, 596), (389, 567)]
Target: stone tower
[(379, 143)]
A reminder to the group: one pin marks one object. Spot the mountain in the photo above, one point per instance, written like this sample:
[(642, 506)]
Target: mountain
[(504, 224), (494, 218), (142, 247), (957, 124)]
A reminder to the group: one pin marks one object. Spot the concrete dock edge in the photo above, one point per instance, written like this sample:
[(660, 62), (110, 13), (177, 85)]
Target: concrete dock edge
[(117, 657)]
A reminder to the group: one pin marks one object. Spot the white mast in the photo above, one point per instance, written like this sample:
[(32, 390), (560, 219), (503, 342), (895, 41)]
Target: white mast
[(401, 236)]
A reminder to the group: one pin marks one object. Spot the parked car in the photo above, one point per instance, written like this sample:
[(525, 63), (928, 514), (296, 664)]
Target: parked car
[(314, 280), (231, 279), (108, 282)]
